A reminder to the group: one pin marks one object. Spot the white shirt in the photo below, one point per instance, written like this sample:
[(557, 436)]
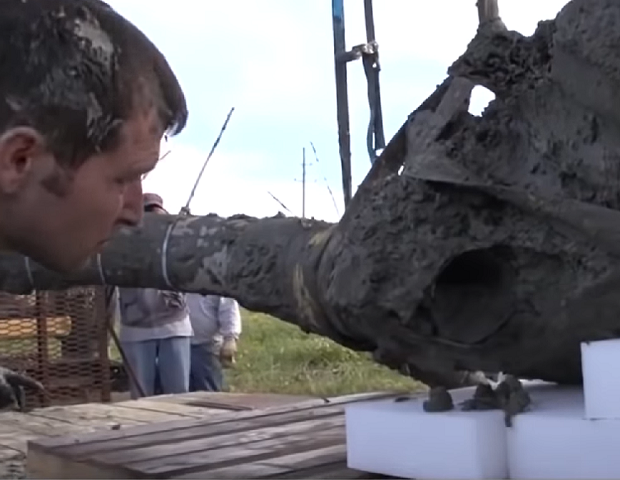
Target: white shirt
[(213, 318)]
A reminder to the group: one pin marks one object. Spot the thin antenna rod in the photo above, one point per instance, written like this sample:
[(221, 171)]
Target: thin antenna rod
[(217, 141), (303, 184), (331, 194), (281, 204)]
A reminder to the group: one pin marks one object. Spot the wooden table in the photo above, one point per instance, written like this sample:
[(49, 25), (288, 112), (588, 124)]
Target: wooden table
[(302, 439), (16, 429)]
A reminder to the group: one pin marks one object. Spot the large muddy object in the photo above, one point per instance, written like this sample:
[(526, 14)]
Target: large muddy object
[(495, 248)]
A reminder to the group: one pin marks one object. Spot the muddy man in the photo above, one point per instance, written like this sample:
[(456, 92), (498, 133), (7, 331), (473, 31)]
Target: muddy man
[(85, 99)]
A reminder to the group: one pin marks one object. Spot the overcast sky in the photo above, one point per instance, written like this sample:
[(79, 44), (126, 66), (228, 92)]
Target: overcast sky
[(273, 61)]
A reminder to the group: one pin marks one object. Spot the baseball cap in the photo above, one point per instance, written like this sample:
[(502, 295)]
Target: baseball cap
[(152, 200)]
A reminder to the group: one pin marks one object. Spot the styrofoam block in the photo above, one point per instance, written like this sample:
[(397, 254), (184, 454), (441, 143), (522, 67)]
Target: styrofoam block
[(401, 440), (601, 383), (555, 441)]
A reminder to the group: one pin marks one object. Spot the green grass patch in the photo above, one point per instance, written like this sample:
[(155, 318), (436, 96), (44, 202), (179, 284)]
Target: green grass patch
[(275, 357)]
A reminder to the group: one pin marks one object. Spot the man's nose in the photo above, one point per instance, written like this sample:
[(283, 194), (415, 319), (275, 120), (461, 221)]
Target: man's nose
[(132, 211)]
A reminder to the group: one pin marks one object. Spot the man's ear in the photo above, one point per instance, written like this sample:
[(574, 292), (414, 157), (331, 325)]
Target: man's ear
[(21, 150)]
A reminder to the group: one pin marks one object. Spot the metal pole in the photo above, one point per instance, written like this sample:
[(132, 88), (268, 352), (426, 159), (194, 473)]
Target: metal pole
[(342, 101), (370, 23), (303, 184)]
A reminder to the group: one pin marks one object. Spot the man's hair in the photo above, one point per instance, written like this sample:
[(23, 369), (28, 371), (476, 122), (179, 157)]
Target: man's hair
[(76, 70)]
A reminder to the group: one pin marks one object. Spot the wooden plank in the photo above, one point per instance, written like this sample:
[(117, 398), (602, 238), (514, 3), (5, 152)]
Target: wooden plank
[(292, 465), (50, 466), (201, 461), (140, 411), (11, 421), (218, 440), (172, 428), (274, 442), (244, 470), (337, 471), (98, 413), (183, 410), (17, 429), (7, 453), (123, 440), (20, 442), (234, 401), (13, 467), (46, 465), (276, 467), (324, 463)]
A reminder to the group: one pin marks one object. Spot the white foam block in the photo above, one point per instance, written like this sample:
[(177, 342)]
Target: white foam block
[(555, 441), (401, 440), (600, 383)]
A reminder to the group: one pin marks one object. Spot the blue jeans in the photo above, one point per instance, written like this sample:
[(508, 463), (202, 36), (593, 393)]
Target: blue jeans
[(205, 371), (166, 358)]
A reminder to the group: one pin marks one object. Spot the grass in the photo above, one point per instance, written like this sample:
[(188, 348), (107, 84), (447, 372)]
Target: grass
[(275, 357)]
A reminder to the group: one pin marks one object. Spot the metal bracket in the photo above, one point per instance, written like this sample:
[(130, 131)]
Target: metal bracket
[(369, 53)]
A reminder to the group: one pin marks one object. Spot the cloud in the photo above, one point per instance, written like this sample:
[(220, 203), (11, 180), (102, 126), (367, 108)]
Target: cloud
[(439, 31), (274, 58)]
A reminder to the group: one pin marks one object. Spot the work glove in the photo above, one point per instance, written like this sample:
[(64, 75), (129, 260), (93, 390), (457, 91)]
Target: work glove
[(228, 352), (12, 388)]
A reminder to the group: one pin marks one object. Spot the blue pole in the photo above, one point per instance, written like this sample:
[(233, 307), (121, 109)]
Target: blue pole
[(342, 101)]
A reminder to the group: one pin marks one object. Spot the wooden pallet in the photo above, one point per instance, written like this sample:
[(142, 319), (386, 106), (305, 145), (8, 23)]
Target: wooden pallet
[(305, 440), (16, 429)]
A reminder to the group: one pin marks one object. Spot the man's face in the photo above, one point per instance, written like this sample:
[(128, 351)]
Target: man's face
[(60, 219)]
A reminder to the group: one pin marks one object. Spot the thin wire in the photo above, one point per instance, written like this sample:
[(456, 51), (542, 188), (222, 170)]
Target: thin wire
[(331, 194), (164, 256), (280, 202), (217, 142), (29, 272), (100, 267)]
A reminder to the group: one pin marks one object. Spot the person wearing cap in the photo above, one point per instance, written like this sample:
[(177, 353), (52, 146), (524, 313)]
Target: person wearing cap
[(85, 99), (155, 332)]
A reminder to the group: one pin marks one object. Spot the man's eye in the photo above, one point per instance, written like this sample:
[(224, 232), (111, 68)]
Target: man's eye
[(126, 180), (123, 180)]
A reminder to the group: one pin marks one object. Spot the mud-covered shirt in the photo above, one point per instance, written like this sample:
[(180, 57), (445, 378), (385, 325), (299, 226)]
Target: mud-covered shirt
[(147, 314)]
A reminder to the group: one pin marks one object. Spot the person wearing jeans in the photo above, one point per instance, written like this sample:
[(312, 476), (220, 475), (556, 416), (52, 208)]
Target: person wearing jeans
[(216, 322), (155, 333)]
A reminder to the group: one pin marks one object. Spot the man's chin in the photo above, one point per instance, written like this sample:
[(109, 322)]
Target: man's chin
[(63, 267), (101, 246), (59, 264)]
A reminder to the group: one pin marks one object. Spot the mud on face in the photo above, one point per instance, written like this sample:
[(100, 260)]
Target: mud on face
[(76, 71)]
